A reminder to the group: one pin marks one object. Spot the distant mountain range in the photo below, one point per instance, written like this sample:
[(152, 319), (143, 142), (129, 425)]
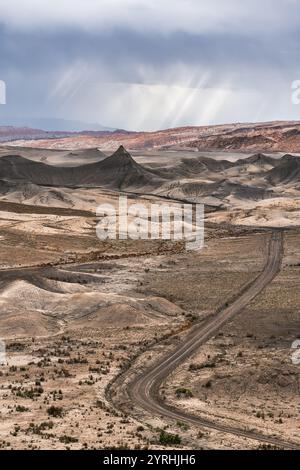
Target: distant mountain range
[(11, 133), (52, 124), (269, 137)]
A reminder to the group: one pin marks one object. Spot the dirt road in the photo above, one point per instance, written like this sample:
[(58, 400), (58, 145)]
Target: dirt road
[(144, 389)]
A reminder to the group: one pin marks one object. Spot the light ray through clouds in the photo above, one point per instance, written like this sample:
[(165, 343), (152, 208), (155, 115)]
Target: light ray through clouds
[(150, 64), (184, 101), (155, 107), (70, 82)]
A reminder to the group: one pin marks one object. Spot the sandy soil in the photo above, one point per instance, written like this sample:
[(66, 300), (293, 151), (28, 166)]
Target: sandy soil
[(75, 312)]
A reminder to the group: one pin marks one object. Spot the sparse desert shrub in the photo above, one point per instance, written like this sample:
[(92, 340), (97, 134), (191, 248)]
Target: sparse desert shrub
[(55, 411), (29, 393), (77, 360), (195, 367), (21, 409), (68, 439), (64, 373), (206, 365), (166, 438), (260, 414), (182, 425), (39, 428), (15, 347), (208, 384), (183, 392)]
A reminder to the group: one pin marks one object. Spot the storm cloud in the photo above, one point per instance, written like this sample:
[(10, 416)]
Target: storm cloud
[(150, 64)]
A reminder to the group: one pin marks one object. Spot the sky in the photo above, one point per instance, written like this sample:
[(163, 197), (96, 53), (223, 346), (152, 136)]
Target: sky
[(150, 64)]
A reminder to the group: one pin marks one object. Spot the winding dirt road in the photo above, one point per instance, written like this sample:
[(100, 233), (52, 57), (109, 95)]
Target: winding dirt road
[(144, 389)]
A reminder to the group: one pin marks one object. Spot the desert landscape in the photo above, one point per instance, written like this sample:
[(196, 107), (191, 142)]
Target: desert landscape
[(141, 344)]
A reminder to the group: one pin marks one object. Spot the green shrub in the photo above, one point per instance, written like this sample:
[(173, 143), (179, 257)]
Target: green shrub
[(169, 439)]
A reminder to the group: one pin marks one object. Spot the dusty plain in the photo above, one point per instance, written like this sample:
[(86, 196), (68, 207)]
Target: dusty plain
[(76, 313)]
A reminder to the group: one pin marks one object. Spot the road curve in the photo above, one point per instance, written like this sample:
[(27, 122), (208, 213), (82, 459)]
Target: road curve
[(143, 391)]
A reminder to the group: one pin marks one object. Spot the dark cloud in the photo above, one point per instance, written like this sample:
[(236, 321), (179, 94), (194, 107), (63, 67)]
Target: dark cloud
[(87, 73)]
